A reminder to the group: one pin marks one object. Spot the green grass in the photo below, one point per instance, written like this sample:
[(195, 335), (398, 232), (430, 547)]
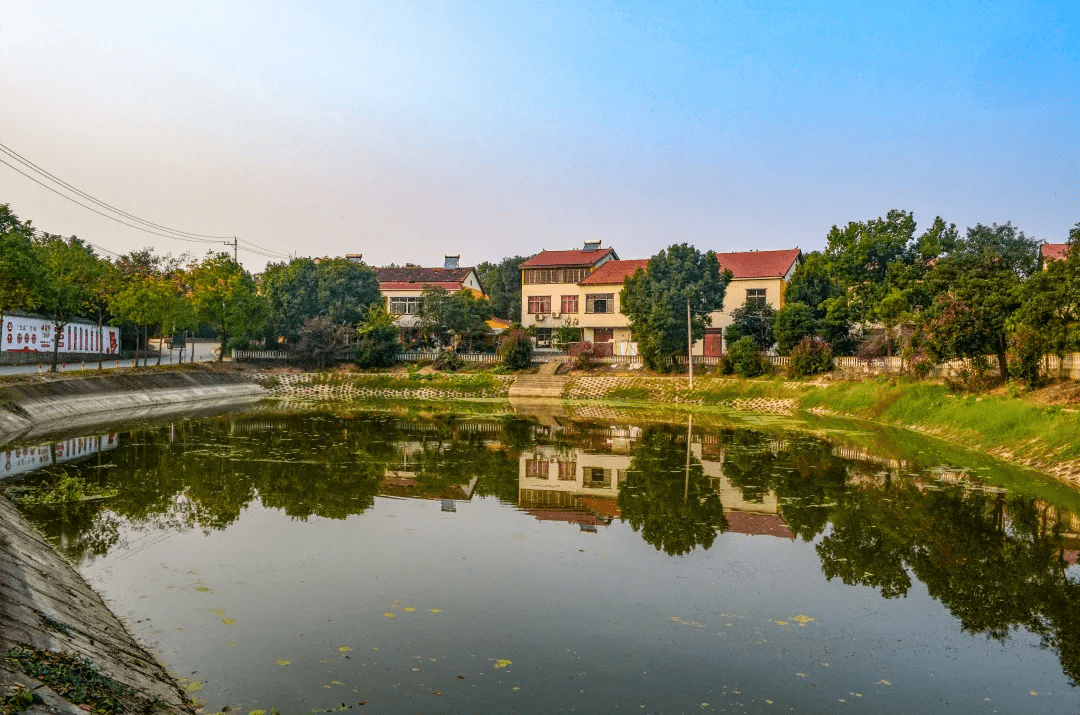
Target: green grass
[(1026, 429), (464, 384)]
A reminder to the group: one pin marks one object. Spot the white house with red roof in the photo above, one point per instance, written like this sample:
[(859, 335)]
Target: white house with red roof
[(402, 286), (759, 277)]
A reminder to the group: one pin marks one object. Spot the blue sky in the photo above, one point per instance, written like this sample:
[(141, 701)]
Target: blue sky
[(405, 131)]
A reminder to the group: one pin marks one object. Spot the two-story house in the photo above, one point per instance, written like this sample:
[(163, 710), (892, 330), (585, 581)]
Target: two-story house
[(1052, 252), (403, 286), (550, 294), (759, 277)]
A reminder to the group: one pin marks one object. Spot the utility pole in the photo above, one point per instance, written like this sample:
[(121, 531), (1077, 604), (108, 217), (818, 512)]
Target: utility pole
[(689, 344), (235, 249)]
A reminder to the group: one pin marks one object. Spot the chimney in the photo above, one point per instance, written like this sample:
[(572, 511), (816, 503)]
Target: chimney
[(451, 261), (592, 245)]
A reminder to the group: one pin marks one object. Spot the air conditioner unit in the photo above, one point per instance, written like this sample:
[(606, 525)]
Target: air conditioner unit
[(539, 317), (555, 314)]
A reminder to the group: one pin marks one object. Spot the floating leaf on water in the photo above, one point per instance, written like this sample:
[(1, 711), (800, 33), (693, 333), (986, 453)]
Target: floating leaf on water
[(283, 662), (515, 688), (781, 623), (203, 589), (803, 620), (409, 609), (502, 663), (257, 712), (803, 675), (1034, 692), (232, 645), (435, 610), (336, 682), (344, 649), (228, 621), (885, 682), (219, 612), (388, 614), (769, 702)]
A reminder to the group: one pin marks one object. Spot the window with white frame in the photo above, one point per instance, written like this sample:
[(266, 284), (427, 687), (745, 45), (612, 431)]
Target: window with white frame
[(539, 304), (600, 303), (405, 306), (756, 297)]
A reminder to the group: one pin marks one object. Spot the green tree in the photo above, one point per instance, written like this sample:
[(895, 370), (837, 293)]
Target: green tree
[(346, 290), (502, 283), (515, 349), (67, 285), (656, 301), (105, 285), (1050, 301), (444, 314), (378, 339), (979, 289), (752, 320), (292, 294), (21, 267), (223, 295), (793, 322)]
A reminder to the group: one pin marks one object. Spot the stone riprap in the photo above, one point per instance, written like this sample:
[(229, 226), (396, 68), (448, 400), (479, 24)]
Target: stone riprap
[(300, 388)]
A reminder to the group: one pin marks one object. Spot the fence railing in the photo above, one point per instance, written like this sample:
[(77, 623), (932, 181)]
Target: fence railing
[(260, 355)]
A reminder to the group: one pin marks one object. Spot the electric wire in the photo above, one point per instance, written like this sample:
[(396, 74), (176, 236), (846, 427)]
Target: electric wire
[(184, 235), (18, 157)]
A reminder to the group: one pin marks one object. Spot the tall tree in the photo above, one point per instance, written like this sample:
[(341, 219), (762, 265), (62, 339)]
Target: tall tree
[(292, 293), (67, 286), (346, 291), (20, 263), (754, 320), (224, 297), (461, 313), (979, 289), (656, 301), (502, 283)]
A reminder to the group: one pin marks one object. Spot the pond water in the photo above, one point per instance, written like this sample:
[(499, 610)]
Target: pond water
[(314, 563)]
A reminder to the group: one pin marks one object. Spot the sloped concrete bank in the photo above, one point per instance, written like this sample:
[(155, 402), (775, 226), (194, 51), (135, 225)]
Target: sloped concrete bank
[(46, 605), (37, 405)]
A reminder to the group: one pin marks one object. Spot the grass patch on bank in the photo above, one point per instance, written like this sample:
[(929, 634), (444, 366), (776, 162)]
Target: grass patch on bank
[(460, 383), (981, 421)]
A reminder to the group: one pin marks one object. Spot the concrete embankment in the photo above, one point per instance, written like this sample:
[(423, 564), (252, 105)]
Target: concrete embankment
[(46, 605), (67, 402)]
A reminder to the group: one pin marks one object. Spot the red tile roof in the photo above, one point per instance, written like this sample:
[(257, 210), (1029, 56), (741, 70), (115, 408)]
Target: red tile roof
[(420, 285), (759, 264), (416, 274), (1054, 251), (613, 272), (742, 522), (550, 259)]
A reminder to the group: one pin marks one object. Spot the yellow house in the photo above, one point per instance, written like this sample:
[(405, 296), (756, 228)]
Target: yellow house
[(403, 286), (551, 294), (759, 277)]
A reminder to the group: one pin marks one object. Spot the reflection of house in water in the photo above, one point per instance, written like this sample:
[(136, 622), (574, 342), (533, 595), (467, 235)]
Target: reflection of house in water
[(407, 479), (581, 486), (27, 459)]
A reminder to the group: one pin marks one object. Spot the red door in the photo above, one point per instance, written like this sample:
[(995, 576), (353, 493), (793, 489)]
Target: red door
[(714, 342)]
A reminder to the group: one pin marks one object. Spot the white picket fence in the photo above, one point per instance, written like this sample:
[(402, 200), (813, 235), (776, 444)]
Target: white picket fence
[(260, 355)]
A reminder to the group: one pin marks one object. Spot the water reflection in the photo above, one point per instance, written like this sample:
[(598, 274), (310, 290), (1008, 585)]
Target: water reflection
[(997, 561)]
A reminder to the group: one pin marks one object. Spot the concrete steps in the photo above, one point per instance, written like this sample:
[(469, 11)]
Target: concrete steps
[(538, 386)]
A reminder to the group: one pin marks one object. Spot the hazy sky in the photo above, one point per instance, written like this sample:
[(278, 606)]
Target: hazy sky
[(405, 131)]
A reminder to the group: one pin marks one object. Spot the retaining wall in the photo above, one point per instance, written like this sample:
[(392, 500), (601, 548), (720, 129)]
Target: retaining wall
[(34, 404)]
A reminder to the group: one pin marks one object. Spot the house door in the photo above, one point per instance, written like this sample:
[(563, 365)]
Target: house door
[(714, 342), (603, 335)]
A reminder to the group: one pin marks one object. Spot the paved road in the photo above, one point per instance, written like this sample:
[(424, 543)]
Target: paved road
[(204, 352)]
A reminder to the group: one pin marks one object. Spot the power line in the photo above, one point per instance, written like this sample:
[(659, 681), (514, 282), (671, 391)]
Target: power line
[(18, 157), (184, 235)]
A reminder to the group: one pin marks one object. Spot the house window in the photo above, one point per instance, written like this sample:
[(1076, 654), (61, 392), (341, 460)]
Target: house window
[(543, 337), (600, 303), (573, 275), (596, 477), (539, 304), (569, 304), (536, 468), (567, 471), (405, 306), (755, 297)]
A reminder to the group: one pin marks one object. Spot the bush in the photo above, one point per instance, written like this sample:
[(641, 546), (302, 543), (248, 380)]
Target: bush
[(515, 349), (727, 365), (1025, 356), (377, 339), (583, 353), (810, 356), (749, 361), (321, 342), (447, 361)]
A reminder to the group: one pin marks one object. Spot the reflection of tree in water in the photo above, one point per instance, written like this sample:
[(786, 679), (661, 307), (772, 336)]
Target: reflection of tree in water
[(674, 508)]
